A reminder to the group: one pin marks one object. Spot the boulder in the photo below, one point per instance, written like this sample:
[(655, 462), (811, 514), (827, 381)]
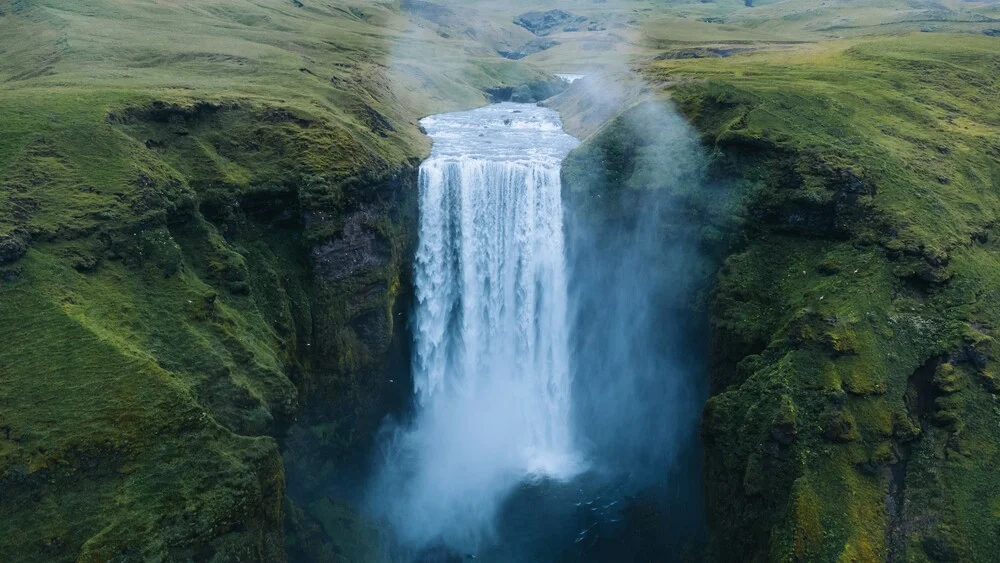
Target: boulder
[(12, 247)]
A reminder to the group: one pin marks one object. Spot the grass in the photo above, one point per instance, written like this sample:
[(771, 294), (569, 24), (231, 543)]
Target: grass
[(152, 355), (867, 258), (853, 205)]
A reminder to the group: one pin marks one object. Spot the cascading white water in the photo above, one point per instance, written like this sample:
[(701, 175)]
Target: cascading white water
[(491, 363), (491, 277)]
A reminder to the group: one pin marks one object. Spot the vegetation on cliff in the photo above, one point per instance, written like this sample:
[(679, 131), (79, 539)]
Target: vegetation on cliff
[(856, 322), (205, 215), (854, 383)]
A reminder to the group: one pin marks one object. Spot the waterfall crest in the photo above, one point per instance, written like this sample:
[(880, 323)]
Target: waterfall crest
[(491, 363)]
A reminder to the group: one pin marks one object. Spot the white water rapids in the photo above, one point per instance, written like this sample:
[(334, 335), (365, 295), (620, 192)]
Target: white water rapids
[(491, 364)]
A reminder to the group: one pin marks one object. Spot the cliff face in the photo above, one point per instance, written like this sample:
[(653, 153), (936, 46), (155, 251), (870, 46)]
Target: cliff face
[(854, 321), (162, 332), (205, 222), (851, 222)]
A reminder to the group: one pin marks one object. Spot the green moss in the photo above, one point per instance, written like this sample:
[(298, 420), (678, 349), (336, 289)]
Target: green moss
[(806, 516), (857, 294), (948, 379), (116, 432), (168, 278), (841, 427)]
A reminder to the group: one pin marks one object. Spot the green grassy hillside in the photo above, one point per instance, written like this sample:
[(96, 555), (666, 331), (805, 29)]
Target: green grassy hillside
[(179, 184), (854, 387), (858, 317)]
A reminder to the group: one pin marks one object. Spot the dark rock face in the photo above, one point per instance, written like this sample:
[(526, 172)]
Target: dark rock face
[(525, 93), (357, 360), (12, 247), (498, 94), (702, 53), (544, 23), (359, 248), (529, 48)]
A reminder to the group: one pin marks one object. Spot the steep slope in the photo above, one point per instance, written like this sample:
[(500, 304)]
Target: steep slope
[(205, 220), (857, 392), (173, 311), (854, 311)]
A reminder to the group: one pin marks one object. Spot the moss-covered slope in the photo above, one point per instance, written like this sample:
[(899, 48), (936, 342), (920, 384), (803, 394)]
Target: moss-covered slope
[(856, 321), (199, 238), (851, 198), (205, 220), (163, 296)]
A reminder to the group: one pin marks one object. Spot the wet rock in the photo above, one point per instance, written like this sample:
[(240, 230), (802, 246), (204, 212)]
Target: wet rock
[(358, 248), (499, 93), (525, 93), (522, 95), (374, 330)]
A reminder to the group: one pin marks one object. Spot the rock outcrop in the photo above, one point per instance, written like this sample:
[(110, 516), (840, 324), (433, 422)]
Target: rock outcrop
[(551, 21)]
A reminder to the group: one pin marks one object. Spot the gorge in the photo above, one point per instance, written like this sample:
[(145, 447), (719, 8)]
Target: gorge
[(730, 293)]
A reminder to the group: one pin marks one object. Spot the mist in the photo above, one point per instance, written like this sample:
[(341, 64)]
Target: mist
[(559, 341), (638, 342)]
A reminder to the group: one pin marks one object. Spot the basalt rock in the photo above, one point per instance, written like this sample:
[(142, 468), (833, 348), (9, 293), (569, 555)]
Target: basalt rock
[(359, 248), (544, 23), (12, 247), (530, 48)]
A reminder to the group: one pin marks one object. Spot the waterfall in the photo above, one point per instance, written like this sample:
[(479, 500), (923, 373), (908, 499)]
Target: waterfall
[(491, 362)]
